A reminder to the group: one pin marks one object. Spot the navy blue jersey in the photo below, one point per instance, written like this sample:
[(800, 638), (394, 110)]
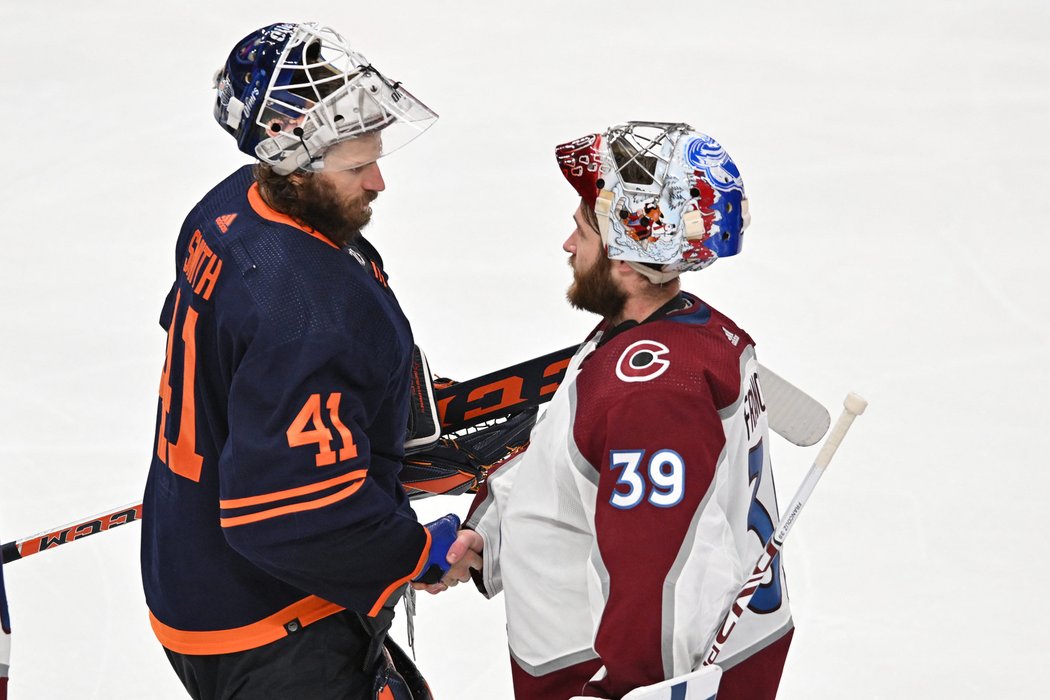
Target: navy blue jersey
[(273, 497)]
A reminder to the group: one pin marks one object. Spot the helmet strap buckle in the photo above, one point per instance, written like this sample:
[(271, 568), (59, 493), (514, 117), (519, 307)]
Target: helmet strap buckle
[(602, 207)]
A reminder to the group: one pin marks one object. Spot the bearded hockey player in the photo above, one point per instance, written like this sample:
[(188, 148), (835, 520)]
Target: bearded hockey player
[(276, 535), (621, 536)]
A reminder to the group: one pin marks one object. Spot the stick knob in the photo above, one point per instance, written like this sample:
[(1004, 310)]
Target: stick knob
[(854, 405)]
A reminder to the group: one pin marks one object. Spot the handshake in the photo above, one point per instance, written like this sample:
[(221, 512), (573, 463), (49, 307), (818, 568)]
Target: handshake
[(453, 554)]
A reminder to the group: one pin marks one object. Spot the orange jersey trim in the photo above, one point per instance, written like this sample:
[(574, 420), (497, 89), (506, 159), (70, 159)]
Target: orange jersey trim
[(442, 485), (293, 508), (291, 493), (378, 274), (267, 212), (402, 581), (307, 611)]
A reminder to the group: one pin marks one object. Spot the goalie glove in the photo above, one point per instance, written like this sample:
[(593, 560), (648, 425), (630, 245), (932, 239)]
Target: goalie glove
[(442, 535), (458, 465)]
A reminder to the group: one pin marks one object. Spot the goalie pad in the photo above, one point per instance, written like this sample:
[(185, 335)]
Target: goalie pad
[(458, 465), (424, 426)]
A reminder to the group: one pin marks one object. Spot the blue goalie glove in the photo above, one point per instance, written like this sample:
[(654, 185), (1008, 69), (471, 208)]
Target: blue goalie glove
[(442, 535)]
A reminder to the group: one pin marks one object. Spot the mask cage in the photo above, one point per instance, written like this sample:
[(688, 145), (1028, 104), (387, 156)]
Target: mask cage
[(641, 154), (323, 93)]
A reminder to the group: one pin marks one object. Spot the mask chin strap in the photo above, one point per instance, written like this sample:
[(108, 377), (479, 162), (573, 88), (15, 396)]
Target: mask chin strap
[(654, 276)]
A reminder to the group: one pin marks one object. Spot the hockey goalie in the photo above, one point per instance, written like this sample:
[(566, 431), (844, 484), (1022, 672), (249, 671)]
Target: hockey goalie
[(621, 536)]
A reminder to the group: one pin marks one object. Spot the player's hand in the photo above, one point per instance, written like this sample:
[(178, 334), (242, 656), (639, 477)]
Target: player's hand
[(464, 554), (443, 534)]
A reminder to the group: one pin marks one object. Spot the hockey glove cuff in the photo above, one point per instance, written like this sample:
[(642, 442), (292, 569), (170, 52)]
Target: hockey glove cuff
[(442, 535)]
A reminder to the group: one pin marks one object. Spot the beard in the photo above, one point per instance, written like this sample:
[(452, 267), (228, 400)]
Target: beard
[(594, 290), (339, 217)]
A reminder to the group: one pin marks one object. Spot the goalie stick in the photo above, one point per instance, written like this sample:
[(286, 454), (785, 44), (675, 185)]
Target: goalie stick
[(13, 551), (5, 637), (793, 414), (501, 393), (853, 406)]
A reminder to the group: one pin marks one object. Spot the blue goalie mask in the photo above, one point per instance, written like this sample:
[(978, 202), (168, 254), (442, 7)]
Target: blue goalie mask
[(288, 92)]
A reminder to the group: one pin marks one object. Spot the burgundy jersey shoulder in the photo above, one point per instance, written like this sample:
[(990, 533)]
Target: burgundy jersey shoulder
[(696, 350), (687, 362)]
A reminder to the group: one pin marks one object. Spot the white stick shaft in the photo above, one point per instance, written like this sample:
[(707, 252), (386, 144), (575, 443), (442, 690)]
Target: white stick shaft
[(853, 407)]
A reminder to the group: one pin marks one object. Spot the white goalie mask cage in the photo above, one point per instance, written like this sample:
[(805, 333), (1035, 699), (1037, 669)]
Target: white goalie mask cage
[(303, 89)]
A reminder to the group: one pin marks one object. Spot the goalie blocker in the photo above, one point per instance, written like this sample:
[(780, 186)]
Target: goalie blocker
[(453, 465)]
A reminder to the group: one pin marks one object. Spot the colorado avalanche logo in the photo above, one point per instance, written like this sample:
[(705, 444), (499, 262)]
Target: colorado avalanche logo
[(707, 155), (642, 361)]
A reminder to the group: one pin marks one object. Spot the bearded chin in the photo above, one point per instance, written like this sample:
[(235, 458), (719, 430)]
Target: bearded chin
[(340, 219), (594, 290)]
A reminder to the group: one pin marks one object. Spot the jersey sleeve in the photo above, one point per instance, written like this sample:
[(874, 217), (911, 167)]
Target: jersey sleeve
[(484, 518), (302, 493)]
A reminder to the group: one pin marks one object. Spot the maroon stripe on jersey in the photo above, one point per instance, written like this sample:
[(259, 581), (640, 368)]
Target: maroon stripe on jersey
[(758, 676), (556, 685)]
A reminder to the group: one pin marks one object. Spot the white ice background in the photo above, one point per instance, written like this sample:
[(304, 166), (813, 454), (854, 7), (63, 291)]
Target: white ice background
[(896, 157)]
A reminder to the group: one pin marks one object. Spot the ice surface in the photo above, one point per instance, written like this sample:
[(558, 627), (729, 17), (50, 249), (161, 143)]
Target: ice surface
[(896, 156)]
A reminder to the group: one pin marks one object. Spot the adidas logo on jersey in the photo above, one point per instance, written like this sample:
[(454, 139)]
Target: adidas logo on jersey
[(224, 222), (733, 337)]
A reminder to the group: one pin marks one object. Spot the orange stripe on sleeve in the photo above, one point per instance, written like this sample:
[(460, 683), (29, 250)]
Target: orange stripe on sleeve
[(402, 581), (292, 493), (293, 508), (307, 611)]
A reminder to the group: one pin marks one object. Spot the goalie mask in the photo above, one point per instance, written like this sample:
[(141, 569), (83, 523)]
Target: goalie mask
[(668, 199), (290, 91)]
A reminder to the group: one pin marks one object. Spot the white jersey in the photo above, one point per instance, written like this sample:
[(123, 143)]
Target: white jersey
[(622, 534)]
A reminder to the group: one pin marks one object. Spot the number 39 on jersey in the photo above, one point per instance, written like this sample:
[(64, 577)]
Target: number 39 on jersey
[(659, 480)]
